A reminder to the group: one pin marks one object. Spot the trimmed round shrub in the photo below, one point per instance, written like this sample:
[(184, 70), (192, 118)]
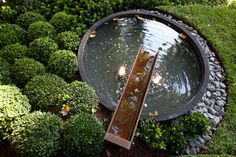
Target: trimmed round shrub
[(63, 21), (195, 124), (7, 14), (13, 52), (12, 105), (63, 63), (36, 134), (68, 41), (40, 29), (10, 34), (82, 136), (43, 91), (4, 72), (24, 20), (79, 97), (42, 48), (25, 69)]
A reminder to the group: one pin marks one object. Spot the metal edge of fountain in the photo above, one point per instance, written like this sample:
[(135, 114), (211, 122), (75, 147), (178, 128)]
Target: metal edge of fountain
[(174, 25)]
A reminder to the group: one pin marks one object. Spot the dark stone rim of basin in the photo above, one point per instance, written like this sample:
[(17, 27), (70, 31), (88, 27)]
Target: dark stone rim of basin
[(171, 23)]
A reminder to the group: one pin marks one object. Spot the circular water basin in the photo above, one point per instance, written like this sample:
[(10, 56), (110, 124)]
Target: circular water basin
[(108, 49)]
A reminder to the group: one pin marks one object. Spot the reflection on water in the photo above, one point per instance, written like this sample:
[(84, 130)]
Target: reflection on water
[(109, 56)]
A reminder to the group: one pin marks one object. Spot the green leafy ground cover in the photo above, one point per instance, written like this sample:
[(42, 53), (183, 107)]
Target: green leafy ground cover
[(218, 25)]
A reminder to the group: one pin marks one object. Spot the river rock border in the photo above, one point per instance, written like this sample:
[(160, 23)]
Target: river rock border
[(212, 104)]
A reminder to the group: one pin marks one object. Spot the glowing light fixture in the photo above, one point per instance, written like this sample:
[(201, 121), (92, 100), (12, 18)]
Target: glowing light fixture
[(122, 71), (157, 80)]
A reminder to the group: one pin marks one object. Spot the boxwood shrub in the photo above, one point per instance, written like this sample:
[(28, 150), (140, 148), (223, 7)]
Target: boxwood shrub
[(41, 29), (12, 105), (43, 91), (24, 20), (7, 14), (195, 124), (42, 48), (68, 41), (63, 21), (10, 34), (14, 51), (82, 136), (152, 133), (36, 134), (4, 72), (63, 63), (79, 97), (25, 69)]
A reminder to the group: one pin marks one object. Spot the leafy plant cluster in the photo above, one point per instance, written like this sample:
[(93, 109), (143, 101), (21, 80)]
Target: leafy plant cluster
[(172, 137), (43, 134), (4, 72), (12, 104)]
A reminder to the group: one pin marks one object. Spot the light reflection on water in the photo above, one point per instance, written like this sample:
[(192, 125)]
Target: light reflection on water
[(177, 71)]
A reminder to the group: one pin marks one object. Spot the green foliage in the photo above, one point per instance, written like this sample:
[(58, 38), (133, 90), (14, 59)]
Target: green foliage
[(4, 72), (24, 20), (219, 28), (7, 14), (195, 124), (175, 139), (151, 132), (68, 41), (13, 52), (41, 29), (36, 134), (12, 104), (80, 29), (43, 91), (63, 63), (80, 97), (63, 21), (83, 136), (25, 69), (10, 34), (172, 137), (41, 49)]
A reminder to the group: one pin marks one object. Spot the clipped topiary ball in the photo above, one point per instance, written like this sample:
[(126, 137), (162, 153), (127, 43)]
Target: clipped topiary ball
[(26, 68), (63, 21), (12, 104), (4, 72), (7, 14), (40, 29), (13, 52), (24, 20), (42, 48), (10, 34), (68, 41), (36, 134), (79, 97), (82, 136), (63, 63), (43, 91)]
